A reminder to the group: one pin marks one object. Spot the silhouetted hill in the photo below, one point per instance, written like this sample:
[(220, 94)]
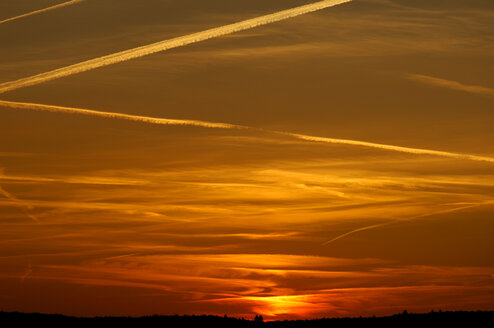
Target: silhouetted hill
[(468, 319)]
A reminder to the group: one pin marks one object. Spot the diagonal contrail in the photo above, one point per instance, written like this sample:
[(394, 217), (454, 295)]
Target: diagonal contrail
[(68, 3), (128, 117), (167, 44), (205, 124), (379, 225), (418, 151)]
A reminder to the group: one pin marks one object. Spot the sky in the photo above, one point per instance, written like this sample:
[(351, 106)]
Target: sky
[(336, 163)]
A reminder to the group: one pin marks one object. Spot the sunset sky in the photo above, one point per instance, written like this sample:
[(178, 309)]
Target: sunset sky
[(336, 163)]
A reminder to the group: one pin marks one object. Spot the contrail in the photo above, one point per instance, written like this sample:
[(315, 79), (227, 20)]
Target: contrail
[(205, 124), (167, 44), (409, 150), (25, 208), (379, 225), (370, 227), (65, 4), (128, 117)]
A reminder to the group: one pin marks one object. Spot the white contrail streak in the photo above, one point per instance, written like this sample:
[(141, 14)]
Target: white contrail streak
[(167, 44), (409, 150), (65, 4), (205, 124), (128, 117)]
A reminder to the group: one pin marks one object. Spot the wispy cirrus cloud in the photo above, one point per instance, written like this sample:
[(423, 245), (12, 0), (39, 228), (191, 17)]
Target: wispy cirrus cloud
[(13, 154), (89, 180), (282, 286), (449, 84), (25, 207)]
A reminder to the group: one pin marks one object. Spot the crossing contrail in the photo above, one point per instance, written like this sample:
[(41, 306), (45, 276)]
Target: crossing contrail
[(215, 125), (167, 44), (65, 4)]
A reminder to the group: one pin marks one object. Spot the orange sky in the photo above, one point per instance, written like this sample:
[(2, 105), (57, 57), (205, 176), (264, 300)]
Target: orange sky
[(105, 215)]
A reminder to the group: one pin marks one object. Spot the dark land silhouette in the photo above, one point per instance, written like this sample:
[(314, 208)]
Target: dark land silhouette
[(404, 319)]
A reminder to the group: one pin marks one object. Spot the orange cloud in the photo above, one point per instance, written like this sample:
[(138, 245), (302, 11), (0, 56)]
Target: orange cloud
[(448, 84)]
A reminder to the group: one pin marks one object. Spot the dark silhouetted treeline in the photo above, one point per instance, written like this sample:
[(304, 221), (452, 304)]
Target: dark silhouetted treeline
[(437, 319), (443, 319)]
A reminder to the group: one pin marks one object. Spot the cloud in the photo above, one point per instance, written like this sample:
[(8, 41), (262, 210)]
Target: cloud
[(26, 208), (89, 180), (448, 84), (281, 286), (13, 154), (167, 44), (65, 4)]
